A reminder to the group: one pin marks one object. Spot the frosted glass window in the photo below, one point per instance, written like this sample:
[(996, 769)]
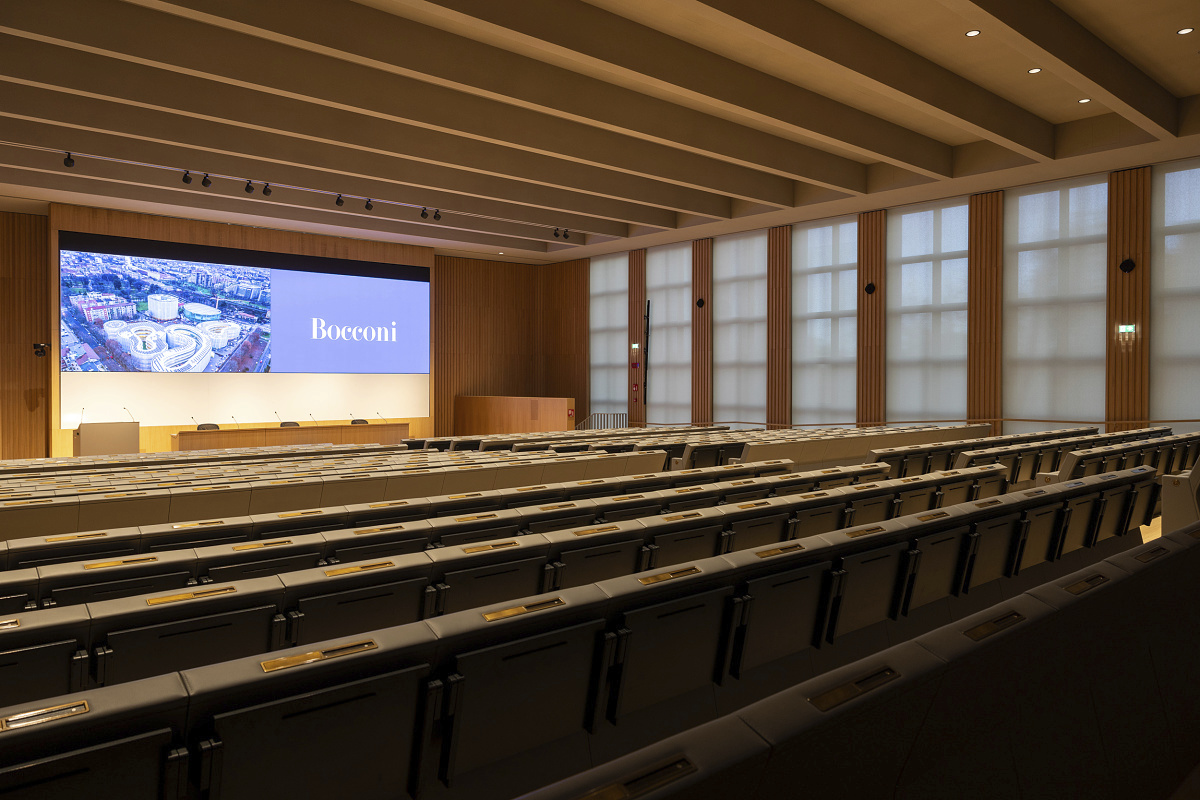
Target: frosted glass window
[(825, 322), (669, 351), (1054, 302), (927, 312), (1175, 294), (739, 313), (608, 321)]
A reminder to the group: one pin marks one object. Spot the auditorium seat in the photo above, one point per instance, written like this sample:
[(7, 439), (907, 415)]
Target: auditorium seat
[(473, 575), (224, 563), (586, 555), (336, 721), (125, 508), (684, 536), (40, 550), (18, 590), (123, 742), (39, 516), (90, 581), (372, 541), (209, 501), (43, 654), (474, 527), (414, 508), (557, 516), (136, 637), (197, 533), (755, 522)]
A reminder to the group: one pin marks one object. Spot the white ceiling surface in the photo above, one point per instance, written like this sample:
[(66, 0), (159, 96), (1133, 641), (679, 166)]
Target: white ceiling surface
[(630, 123)]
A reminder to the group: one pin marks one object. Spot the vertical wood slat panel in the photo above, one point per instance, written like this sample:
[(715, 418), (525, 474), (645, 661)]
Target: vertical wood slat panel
[(637, 332), (985, 304), (564, 304), (779, 327), (872, 318), (24, 320), (702, 332), (1127, 356)]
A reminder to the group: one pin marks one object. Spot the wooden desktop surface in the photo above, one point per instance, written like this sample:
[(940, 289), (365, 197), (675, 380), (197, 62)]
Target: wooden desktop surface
[(376, 433)]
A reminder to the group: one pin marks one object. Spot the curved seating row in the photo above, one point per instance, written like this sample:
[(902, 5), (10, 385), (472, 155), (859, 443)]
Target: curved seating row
[(1025, 460), (1014, 701), (917, 459), (1167, 454), (491, 701)]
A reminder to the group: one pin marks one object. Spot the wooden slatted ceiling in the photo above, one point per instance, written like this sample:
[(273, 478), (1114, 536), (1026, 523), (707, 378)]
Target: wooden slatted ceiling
[(637, 333), (1127, 360), (702, 332), (872, 317), (985, 305), (24, 319), (779, 327)]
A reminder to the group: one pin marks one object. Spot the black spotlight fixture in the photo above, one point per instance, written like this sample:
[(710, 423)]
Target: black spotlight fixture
[(424, 213), (566, 234), (556, 233), (68, 161), (249, 187), (1127, 266), (187, 176), (369, 205), (266, 190), (339, 202), (437, 214), (207, 182)]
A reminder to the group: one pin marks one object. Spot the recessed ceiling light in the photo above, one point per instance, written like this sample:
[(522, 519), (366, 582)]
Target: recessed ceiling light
[(1035, 70), (972, 33), (1183, 31), (501, 252), (1086, 100)]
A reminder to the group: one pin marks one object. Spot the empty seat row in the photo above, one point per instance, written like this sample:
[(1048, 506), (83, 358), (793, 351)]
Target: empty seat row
[(124, 508), (917, 459), (632, 536), (1168, 454), (1025, 460), (1011, 702), (493, 701)]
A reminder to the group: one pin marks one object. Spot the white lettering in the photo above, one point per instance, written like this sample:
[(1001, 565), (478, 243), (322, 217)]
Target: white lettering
[(346, 332), (318, 328), (358, 333), (369, 334)]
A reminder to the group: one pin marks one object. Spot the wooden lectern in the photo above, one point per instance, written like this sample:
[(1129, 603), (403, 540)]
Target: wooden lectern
[(105, 438)]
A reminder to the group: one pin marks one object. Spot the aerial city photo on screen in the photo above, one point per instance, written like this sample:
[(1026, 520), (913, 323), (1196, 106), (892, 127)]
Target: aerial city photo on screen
[(135, 314)]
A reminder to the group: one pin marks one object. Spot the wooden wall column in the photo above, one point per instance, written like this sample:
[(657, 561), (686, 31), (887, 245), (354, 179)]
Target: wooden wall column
[(24, 320), (1127, 358), (637, 335), (779, 327), (985, 305), (872, 318), (702, 332), (564, 306)]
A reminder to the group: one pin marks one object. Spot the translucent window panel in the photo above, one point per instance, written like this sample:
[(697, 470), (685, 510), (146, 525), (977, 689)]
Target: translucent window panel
[(825, 321), (668, 354), (1175, 294), (927, 312), (608, 323), (739, 309), (1054, 302)]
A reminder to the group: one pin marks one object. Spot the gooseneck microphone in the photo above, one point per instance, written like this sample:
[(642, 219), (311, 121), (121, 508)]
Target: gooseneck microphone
[(380, 416), (235, 422), (314, 419), (81, 410), (278, 417), (130, 413), (197, 424)]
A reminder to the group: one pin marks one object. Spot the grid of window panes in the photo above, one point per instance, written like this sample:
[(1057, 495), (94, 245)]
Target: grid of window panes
[(608, 321), (668, 354), (739, 314)]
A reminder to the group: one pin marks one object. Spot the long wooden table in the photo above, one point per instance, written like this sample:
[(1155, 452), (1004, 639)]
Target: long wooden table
[(371, 433)]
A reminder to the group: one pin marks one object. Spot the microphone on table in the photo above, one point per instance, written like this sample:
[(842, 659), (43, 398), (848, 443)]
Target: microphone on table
[(81, 410), (235, 422), (197, 424), (278, 417), (130, 413), (380, 416), (314, 419)]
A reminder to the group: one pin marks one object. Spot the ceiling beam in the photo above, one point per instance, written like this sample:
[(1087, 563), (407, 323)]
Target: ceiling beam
[(367, 36), (1043, 30), (865, 58), (617, 50), (169, 43)]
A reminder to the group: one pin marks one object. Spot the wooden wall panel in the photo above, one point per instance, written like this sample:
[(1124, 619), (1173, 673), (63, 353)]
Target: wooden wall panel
[(24, 319), (637, 334), (1127, 361), (872, 318), (485, 340), (172, 229), (985, 305), (564, 303), (779, 327), (702, 332)]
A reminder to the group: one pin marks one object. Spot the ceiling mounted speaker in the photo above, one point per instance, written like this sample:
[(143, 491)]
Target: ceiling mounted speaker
[(1127, 265)]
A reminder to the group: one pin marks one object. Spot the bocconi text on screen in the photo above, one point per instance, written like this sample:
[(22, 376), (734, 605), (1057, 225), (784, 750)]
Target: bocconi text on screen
[(357, 333)]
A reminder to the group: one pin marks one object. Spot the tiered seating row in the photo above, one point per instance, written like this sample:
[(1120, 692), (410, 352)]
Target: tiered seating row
[(1013, 701), (1168, 454), (262, 494), (500, 699), (917, 459), (1025, 460), (632, 536)]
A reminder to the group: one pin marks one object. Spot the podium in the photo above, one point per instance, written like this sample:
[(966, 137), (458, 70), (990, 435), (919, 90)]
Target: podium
[(105, 438)]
